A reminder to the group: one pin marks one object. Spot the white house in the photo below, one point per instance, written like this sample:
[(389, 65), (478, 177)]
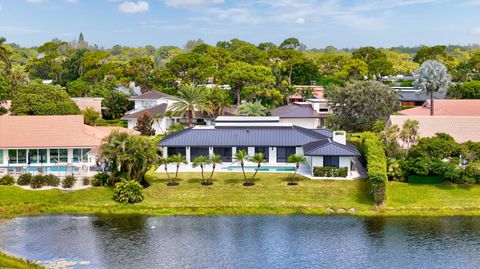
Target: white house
[(310, 114)]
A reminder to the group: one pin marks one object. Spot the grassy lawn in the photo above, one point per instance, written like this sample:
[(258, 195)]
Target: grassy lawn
[(227, 196), (10, 262)]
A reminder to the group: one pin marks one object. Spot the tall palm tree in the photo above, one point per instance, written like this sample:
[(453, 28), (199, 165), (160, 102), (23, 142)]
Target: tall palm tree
[(214, 160), (241, 157), (430, 78), (5, 53), (201, 161), (178, 159), (297, 160), (219, 100), (165, 161), (257, 158), (409, 133), (252, 109), (191, 99)]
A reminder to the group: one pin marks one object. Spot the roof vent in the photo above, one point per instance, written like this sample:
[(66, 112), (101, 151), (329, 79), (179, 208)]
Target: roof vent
[(248, 131)]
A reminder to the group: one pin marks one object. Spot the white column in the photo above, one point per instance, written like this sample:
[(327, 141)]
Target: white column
[(234, 151), (210, 151), (70, 156), (165, 152), (272, 155), (187, 152)]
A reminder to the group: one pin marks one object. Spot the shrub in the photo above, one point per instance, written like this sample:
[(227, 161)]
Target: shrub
[(454, 174), (24, 179), (52, 180), (86, 181), (469, 180), (394, 170), (7, 180), (37, 181), (376, 166), (68, 181), (95, 182), (325, 171), (473, 171), (101, 179), (128, 192), (417, 166)]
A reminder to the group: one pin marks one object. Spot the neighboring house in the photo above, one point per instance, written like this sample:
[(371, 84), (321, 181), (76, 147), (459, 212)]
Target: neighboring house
[(462, 129), (447, 107), (50, 144), (411, 97), (277, 141), (156, 104), (297, 97), (310, 114), (92, 102)]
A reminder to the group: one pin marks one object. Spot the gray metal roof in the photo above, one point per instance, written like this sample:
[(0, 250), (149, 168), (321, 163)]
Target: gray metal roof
[(326, 147), (418, 96), (295, 111), (153, 111), (242, 136), (151, 95)]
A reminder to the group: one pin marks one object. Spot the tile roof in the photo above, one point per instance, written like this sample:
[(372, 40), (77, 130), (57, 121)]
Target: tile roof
[(318, 91), (242, 136), (326, 147), (418, 96), (153, 111), (295, 110), (447, 107), (151, 95), (84, 102), (462, 129)]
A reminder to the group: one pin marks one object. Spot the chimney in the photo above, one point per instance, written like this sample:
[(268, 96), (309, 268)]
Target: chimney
[(340, 137)]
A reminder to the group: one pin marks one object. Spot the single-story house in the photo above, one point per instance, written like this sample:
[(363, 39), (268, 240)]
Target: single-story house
[(50, 144), (447, 107), (276, 140), (412, 97), (310, 114), (462, 129)]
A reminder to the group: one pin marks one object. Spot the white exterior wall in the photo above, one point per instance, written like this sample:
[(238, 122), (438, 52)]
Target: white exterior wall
[(187, 152), (272, 155), (309, 123), (251, 151), (345, 162), (299, 150)]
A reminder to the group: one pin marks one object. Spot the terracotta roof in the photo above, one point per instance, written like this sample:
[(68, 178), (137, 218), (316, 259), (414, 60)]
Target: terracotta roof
[(50, 132), (462, 129), (295, 110), (152, 95), (447, 107), (92, 102), (153, 111), (317, 91)]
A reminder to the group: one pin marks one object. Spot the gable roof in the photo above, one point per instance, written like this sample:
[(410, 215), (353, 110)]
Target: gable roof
[(151, 95), (447, 107), (286, 136), (160, 109), (327, 147), (462, 129), (295, 110)]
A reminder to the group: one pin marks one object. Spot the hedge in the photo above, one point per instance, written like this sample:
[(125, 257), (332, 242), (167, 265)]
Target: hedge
[(376, 166), (416, 179), (326, 171)]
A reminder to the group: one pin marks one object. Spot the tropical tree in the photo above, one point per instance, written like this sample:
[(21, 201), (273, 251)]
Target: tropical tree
[(178, 159), (201, 161), (191, 99), (409, 133), (241, 157), (5, 53), (297, 160), (430, 78), (219, 100), (165, 161), (252, 109), (214, 160), (257, 158), (145, 124)]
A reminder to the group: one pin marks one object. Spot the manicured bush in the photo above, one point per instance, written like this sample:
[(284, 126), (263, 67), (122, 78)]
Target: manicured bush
[(24, 179), (325, 171), (52, 180), (68, 181), (101, 179), (128, 192), (376, 166), (469, 180), (37, 182), (7, 180), (95, 182), (86, 181), (473, 171)]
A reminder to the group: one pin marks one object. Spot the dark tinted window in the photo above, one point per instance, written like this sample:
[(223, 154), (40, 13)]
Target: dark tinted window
[(333, 161), (283, 153)]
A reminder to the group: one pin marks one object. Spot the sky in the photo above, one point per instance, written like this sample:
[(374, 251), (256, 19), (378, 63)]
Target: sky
[(316, 23)]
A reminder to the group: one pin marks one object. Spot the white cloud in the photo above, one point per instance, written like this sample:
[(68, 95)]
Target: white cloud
[(300, 20), (134, 7), (475, 31), (191, 3)]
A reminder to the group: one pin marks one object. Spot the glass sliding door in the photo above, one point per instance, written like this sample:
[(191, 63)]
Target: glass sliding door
[(283, 153), (42, 155), (198, 151), (33, 156), (225, 152), (12, 156), (263, 150), (174, 150)]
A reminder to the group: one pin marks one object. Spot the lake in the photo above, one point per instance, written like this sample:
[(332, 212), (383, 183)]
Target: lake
[(244, 242)]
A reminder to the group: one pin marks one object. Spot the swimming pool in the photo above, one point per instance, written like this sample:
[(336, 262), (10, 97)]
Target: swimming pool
[(263, 168), (43, 169)]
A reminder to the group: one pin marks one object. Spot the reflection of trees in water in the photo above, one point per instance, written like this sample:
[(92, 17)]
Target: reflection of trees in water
[(375, 228), (436, 227), (122, 222)]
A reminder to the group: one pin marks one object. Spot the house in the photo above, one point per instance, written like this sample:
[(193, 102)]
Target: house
[(297, 97), (411, 97), (156, 104), (447, 107), (50, 144), (462, 129), (276, 140), (312, 113)]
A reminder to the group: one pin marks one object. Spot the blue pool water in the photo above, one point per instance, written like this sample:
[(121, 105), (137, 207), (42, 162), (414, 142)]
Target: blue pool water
[(44, 169), (263, 168)]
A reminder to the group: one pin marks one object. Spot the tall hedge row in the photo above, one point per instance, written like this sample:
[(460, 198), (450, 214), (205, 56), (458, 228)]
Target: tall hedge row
[(376, 166)]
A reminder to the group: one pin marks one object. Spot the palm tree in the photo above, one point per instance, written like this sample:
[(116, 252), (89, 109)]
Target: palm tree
[(191, 99), (297, 160), (178, 159), (219, 100), (165, 161), (201, 161), (214, 160), (432, 77), (409, 133), (257, 158), (252, 109), (241, 157), (5, 53)]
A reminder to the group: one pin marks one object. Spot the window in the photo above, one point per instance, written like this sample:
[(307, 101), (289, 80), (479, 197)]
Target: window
[(332, 161), (226, 153), (22, 156), (242, 148), (12, 156), (175, 150), (80, 155), (32, 156), (63, 155), (263, 150), (59, 155), (283, 153), (198, 151), (42, 154), (54, 155)]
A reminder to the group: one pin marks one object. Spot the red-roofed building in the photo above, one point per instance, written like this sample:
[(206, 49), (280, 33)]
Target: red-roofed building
[(446, 107), (297, 97)]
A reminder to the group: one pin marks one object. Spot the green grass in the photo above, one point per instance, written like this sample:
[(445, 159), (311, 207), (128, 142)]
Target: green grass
[(227, 196), (11, 262)]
